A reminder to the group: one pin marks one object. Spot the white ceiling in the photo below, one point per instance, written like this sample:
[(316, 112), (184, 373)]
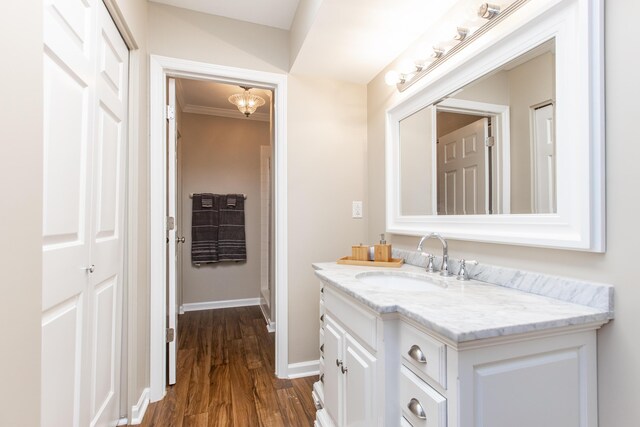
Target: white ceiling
[(353, 40), (349, 40), (273, 13), (206, 97)]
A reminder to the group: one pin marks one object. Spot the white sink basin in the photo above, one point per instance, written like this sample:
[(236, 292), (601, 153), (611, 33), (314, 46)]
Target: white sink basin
[(400, 281)]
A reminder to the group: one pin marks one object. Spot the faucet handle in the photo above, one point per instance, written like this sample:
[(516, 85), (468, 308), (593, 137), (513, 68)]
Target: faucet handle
[(463, 273), (431, 268)]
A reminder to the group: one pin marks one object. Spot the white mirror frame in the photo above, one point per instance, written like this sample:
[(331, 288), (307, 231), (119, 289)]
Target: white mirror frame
[(577, 26)]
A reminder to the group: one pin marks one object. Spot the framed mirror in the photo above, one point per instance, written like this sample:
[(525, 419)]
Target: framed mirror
[(504, 142)]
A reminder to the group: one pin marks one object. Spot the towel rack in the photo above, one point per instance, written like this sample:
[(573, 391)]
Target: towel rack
[(191, 196)]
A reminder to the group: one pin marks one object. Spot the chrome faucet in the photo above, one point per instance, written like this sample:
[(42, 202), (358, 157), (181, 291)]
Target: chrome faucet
[(444, 270)]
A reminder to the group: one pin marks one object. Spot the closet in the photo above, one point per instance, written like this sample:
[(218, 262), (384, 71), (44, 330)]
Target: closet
[(85, 65)]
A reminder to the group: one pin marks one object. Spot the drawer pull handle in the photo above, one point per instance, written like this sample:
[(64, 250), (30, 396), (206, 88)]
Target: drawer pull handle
[(416, 408), (416, 354), (322, 378), (343, 369), (322, 290), (338, 363), (322, 318), (322, 348)]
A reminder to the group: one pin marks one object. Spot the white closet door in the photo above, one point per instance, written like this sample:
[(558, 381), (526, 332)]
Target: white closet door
[(172, 261), (80, 350), (107, 238)]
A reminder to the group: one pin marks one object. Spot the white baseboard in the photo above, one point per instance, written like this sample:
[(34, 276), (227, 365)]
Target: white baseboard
[(303, 369), (138, 410), (271, 326), (209, 305), (123, 422)]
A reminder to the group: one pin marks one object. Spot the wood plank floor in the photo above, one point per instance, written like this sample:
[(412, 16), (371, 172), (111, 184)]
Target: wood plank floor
[(225, 376)]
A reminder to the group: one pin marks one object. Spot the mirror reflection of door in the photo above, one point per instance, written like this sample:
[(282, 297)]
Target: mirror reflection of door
[(463, 169), (543, 159)]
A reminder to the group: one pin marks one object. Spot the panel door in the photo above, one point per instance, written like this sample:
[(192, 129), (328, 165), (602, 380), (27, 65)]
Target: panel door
[(333, 377), (172, 260), (68, 64), (462, 170), (360, 409), (107, 238), (84, 59), (544, 163)]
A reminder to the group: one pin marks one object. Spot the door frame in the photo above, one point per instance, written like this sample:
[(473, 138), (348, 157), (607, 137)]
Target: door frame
[(161, 67)]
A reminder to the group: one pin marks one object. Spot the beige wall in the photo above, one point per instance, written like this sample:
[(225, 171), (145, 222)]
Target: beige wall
[(21, 212), (222, 155), (618, 343), (180, 33), (529, 84), (326, 166), (326, 149)]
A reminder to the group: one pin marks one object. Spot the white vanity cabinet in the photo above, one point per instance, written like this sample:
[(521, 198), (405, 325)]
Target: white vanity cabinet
[(389, 370), (348, 364)]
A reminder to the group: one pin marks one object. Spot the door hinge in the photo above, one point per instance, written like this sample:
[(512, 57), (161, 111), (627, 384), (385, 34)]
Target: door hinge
[(490, 141), (171, 112), (171, 334), (171, 223)]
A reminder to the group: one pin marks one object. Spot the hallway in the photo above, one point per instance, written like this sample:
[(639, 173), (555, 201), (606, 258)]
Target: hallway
[(225, 376)]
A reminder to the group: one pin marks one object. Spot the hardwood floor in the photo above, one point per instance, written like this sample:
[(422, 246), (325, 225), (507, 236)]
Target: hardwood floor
[(225, 376)]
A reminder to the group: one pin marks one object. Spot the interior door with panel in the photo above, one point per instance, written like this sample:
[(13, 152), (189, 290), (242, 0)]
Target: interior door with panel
[(462, 170), (85, 109), (172, 261)]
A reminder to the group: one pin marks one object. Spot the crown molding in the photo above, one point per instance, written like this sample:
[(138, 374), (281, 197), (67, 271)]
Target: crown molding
[(223, 112)]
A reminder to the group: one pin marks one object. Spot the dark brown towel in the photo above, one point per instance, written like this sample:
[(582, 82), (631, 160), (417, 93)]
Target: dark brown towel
[(232, 245), (204, 228)]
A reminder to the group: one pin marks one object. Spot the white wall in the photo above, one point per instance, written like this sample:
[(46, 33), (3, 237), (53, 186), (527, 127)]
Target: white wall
[(222, 155), (618, 343)]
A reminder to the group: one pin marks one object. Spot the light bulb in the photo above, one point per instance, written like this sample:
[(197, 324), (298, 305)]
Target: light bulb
[(406, 66), (392, 78)]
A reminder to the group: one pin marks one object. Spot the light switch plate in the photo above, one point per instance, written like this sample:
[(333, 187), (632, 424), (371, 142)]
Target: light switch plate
[(356, 209)]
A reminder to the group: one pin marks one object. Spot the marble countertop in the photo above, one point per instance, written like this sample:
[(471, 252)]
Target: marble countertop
[(460, 311)]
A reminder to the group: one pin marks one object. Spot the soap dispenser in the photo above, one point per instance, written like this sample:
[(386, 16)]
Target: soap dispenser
[(382, 252)]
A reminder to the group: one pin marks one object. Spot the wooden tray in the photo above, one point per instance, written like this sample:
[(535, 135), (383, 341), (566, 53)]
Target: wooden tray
[(395, 262)]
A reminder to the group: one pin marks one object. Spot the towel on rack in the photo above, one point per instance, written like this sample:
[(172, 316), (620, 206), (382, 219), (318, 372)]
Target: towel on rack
[(232, 244), (205, 218)]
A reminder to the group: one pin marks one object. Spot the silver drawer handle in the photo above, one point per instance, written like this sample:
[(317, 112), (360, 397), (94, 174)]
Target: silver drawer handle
[(91, 268), (416, 408), (322, 318), (322, 348), (416, 354), (322, 378)]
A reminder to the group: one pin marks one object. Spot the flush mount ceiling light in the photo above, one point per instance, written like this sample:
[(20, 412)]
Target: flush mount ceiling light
[(246, 101)]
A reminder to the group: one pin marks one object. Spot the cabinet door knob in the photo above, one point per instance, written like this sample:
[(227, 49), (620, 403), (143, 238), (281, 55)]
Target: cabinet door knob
[(322, 378), (322, 318), (338, 363), (91, 268), (415, 352), (416, 408), (322, 348), (343, 369)]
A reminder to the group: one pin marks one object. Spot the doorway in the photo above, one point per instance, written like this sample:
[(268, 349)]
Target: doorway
[(162, 68)]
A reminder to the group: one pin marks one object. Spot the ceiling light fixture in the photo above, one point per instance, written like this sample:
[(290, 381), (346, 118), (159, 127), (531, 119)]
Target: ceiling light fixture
[(450, 39), (488, 10), (246, 101)]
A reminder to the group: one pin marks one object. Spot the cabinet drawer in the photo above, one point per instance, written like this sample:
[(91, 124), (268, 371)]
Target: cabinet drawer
[(421, 405), (424, 353), (361, 323)]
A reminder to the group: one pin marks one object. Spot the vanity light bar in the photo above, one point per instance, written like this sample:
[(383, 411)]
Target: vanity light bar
[(487, 11)]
